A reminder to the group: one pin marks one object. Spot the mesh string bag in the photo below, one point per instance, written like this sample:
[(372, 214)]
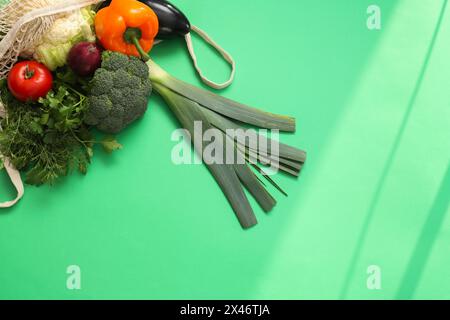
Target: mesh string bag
[(24, 22)]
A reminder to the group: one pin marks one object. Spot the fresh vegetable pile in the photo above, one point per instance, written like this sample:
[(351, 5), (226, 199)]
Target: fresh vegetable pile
[(75, 73)]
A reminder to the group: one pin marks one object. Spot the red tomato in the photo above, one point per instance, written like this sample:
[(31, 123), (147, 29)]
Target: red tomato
[(29, 81)]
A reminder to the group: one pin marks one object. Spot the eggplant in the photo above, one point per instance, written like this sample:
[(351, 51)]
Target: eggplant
[(172, 21)]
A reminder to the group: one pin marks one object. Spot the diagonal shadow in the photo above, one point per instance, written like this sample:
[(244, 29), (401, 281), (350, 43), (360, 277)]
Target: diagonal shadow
[(426, 241), (392, 154)]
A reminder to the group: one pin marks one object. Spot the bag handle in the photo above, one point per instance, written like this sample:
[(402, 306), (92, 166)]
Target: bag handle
[(16, 180), (228, 58), (13, 173)]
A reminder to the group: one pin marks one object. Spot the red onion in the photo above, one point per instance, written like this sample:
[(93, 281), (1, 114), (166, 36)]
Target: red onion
[(84, 58)]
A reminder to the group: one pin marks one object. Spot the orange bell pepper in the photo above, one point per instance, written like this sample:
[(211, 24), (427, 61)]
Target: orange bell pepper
[(127, 26)]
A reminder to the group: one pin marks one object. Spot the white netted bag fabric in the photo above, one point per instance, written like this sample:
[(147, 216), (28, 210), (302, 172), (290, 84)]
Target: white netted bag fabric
[(24, 22)]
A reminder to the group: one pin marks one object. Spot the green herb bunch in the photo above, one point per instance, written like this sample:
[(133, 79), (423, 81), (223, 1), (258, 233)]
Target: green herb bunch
[(49, 139)]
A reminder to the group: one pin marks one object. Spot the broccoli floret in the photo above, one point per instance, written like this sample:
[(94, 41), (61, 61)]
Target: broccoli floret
[(113, 61), (119, 92), (103, 82), (135, 67)]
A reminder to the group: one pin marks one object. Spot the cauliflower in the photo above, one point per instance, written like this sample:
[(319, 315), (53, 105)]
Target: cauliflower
[(53, 48)]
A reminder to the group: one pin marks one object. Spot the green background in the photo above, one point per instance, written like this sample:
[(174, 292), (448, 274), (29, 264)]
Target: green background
[(373, 112)]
